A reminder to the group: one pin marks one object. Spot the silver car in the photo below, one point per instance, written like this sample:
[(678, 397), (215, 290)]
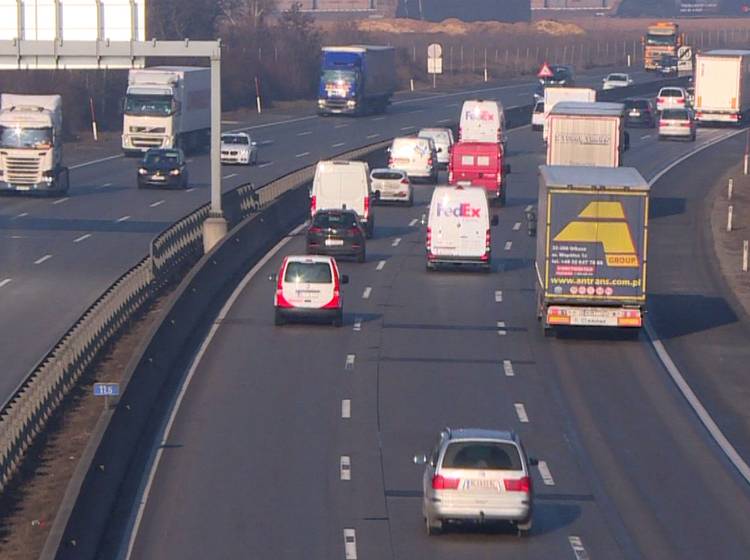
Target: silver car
[(477, 475), (443, 140), (238, 148), (393, 185), (677, 123)]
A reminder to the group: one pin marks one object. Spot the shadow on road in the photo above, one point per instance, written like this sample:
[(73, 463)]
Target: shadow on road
[(676, 315)]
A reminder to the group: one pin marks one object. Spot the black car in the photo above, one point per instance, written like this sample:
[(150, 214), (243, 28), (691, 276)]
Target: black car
[(561, 76), (336, 232), (163, 168), (640, 112)]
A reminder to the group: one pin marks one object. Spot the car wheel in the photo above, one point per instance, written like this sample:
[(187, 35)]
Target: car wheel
[(433, 526), (338, 320), (524, 527), (278, 319)]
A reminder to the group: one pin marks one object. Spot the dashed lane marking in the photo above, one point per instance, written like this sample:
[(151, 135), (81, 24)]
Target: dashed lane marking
[(545, 474), (371, 136), (345, 467), (578, 549), (123, 219), (349, 361), (305, 133), (367, 292), (5, 282), (43, 259), (350, 544), (22, 215), (303, 154), (501, 328), (191, 189), (396, 242), (229, 176), (413, 222), (267, 164), (357, 324), (380, 266), (516, 226), (498, 296), (645, 136), (508, 368), (61, 200), (338, 144), (508, 245), (346, 408), (405, 128), (84, 237), (157, 203), (529, 208), (521, 413)]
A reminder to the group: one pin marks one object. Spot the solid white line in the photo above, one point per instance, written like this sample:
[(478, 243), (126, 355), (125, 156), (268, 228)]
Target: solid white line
[(371, 136), (303, 154), (346, 408), (123, 219), (501, 328), (350, 544), (306, 133), (498, 296), (396, 242), (357, 324), (5, 282), (367, 292), (157, 451), (577, 546), (42, 259), (349, 361), (229, 176), (508, 245), (94, 162), (545, 473), (516, 226), (413, 222), (267, 164), (345, 467), (82, 238), (380, 266), (508, 368), (521, 412), (338, 144), (157, 203), (61, 200)]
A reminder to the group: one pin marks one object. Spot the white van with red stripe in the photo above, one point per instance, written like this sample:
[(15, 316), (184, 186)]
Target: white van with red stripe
[(342, 184), (309, 287)]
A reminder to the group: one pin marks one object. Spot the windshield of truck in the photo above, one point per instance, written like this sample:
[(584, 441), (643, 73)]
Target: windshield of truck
[(149, 105), (338, 83), (660, 40), (16, 137)]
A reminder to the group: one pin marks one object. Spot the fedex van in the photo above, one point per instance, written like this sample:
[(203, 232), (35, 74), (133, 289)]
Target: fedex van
[(458, 228), (343, 184), (482, 121), (479, 164)]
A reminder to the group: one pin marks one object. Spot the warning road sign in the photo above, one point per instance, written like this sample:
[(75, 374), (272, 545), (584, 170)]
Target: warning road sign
[(545, 71)]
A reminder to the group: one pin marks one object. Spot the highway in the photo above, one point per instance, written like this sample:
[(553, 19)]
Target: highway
[(251, 468), (59, 255)]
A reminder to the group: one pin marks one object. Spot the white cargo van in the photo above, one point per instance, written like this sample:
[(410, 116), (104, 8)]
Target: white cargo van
[(482, 121), (458, 228), (343, 184), (416, 156)]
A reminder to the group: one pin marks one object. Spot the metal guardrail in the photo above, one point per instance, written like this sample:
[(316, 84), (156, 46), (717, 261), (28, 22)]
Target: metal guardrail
[(26, 412)]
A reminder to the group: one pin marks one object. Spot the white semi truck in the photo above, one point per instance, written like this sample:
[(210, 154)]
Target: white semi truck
[(167, 107), (722, 86), (31, 144)]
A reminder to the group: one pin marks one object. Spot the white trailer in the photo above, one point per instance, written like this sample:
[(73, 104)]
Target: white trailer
[(167, 107), (586, 134), (722, 86), (554, 95)]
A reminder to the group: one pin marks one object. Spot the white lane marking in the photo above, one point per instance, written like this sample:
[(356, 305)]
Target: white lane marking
[(191, 189), (367, 292), (379, 119), (144, 489), (416, 111), (42, 259), (349, 361), (645, 136), (338, 144), (189, 160), (303, 154), (381, 265), (508, 368), (350, 544), (501, 328), (105, 185), (508, 245), (357, 324), (84, 237), (405, 128), (545, 474), (516, 226), (413, 222), (94, 162), (396, 242), (61, 200), (346, 408), (498, 296), (123, 219), (157, 203), (22, 215), (5, 282), (442, 121), (371, 136), (341, 126), (521, 413), (578, 549), (306, 133), (345, 467), (267, 164), (229, 176), (529, 208)]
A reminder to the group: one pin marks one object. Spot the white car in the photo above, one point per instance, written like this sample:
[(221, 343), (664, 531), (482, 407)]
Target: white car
[(392, 185), (537, 116), (672, 98), (443, 140), (238, 148), (617, 80), (342, 184), (416, 156), (308, 287)]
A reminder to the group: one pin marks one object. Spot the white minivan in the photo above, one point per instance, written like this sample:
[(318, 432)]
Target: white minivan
[(458, 228), (443, 139), (344, 184), (482, 121), (416, 156)]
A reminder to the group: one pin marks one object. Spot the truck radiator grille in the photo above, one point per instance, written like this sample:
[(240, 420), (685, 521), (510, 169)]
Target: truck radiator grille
[(334, 103), (147, 141), (23, 170)]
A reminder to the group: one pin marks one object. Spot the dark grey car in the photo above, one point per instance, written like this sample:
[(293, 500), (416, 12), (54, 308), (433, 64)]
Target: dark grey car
[(336, 232)]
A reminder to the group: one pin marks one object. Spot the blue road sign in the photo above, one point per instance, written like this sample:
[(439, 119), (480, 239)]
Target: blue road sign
[(106, 389)]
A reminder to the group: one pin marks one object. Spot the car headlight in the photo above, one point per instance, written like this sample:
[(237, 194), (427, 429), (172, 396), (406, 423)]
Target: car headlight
[(142, 171), (351, 103), (321, 102), (174, 172)]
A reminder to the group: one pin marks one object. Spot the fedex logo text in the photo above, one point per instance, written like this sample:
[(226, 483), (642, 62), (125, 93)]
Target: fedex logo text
[(479, 115), (461, 211)]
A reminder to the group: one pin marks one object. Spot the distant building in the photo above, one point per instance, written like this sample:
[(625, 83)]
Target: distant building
[(384, 8), (466, 10)]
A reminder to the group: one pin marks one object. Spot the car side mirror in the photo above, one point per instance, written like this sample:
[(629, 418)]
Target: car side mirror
[(310, 192), (506, 169), (423, 220), (344, 279), (604, 80), (495, 220), (253, 144), (533, 461), (420, 459), (272, 277)]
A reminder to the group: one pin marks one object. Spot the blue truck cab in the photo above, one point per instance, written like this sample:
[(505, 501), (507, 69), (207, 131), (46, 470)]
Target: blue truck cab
[(356, 80)]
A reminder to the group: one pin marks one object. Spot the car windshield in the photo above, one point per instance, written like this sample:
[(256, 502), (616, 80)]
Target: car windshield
[(149, 105), (637, 104), (230, 139), (618, 78), (438, 136), (169, 158), (16, 137), (387, 175), (675, 115), (670, 93), (335, 220), (482, 455), (308, 272)]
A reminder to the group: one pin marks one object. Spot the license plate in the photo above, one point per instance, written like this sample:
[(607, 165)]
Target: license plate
[(481, 484), (635, 113), (23, 188), (334, 242), (158, 178)]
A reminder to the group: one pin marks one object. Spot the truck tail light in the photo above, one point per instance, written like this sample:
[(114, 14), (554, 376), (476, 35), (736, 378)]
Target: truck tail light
[(522, 484), (405, 181), (314, 229), (428, 242), (367, 207), (439, 482), (734, 117), (313, 204), (487, 246)]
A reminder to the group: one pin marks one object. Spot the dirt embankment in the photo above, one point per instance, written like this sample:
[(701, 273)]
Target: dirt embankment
[(455, 27)]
